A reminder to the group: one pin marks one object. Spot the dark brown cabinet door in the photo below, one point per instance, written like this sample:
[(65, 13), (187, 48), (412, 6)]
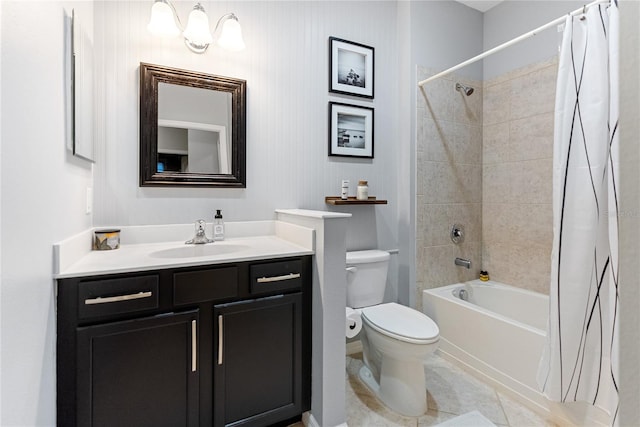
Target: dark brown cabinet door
[(257, 363), (141, 372)]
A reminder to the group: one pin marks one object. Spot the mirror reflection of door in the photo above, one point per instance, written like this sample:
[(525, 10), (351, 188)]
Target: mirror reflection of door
[(194, 130)]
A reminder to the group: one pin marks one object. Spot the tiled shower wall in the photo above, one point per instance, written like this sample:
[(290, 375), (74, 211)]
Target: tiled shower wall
[(449, 180), (485, 161), (517, 213)]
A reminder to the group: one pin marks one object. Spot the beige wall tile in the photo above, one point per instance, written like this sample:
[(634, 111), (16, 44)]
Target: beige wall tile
[(438, 101), (532, 223), (485, 161), (496, 183), (531, 267), (533, 93), (421, 172), (495, 259), (438, 266), (496, 222), (531, 181), (495, 143), (439, 140), (437, 224), (468, 144), (469, 178), (439, 184), (531, 138), (495, 107), (421, 259)]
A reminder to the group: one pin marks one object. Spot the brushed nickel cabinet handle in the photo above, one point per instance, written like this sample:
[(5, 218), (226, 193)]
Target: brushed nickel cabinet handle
[(220, 339), (279, 278), (194, 345), (118, 298)]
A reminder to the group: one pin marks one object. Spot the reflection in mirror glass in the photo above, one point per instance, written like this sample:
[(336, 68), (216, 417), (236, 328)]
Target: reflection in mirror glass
[(194, 130)]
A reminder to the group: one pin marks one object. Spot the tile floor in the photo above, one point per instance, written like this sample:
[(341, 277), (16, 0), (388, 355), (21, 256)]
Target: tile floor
[(450, 392)]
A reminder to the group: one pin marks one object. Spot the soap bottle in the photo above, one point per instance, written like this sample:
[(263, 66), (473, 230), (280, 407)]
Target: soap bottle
[(218, 226)]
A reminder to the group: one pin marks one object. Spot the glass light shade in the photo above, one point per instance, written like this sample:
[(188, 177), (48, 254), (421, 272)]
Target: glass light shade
[(231, 35), (162, 22), (197, 31)]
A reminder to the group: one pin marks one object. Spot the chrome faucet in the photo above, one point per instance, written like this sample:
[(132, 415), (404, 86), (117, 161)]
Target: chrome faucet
[(463, 262), (200, 237)]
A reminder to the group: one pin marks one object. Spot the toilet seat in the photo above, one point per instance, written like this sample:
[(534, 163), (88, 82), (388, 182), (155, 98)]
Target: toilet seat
[(402, 323)]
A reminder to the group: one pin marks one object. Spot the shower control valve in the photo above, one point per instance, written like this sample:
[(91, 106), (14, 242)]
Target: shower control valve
[(457, 233)]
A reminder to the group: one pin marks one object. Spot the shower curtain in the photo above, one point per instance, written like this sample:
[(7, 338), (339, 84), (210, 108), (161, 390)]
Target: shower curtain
[(580, 359)]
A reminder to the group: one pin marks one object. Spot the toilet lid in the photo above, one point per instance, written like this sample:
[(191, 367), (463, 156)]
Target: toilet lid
[(364, 257), (402, 323)]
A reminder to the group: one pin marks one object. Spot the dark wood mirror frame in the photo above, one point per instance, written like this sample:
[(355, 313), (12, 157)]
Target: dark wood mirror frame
[(150, 76)]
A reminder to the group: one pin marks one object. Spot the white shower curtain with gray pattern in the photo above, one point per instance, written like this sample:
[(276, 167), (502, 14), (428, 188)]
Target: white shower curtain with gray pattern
[(580, 360)]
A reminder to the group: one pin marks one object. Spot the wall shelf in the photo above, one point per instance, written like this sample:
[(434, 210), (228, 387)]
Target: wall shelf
[(336, 200)]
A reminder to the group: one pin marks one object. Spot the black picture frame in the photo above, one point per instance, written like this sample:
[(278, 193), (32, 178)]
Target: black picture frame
[(351, 130), (351, 68)]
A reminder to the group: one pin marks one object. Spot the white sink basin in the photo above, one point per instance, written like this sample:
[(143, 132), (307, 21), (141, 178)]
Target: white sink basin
[(192, 251)]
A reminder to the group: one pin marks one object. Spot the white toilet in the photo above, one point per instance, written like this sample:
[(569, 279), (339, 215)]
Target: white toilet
[(395, 338)]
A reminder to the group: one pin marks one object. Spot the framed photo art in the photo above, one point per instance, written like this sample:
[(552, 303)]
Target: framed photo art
[(350, 68), (350, 130)]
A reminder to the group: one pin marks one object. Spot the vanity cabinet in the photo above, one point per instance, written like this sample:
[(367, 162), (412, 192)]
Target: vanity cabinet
[(139, 372), (210, 345), (258, 361)]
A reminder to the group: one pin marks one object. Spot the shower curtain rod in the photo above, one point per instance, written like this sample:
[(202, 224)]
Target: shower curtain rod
[(511, 42)]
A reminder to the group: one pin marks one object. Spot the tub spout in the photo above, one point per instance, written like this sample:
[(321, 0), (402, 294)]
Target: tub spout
[(463, 262)]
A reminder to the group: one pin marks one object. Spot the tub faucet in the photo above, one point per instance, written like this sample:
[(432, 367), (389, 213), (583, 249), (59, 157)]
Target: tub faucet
[(200, 237), (463, 262)]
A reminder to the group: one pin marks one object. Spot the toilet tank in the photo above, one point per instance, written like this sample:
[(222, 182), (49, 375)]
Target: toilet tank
[(366, 277)]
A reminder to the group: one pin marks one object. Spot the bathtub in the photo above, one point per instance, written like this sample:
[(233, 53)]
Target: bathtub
[(499, 335)]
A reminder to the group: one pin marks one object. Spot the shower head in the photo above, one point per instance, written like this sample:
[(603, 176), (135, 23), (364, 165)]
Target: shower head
[(467, 90)]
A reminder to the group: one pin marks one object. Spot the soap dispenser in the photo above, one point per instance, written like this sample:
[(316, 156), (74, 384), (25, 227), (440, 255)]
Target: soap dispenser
[(218, 226)]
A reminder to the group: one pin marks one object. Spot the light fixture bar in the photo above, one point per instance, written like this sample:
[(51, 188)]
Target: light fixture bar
[(164, 21)]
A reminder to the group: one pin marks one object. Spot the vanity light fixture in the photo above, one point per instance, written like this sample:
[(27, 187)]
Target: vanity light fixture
[(165, 22)]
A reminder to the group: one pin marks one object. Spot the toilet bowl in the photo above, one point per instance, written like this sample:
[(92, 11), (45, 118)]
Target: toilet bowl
[(396, 339)]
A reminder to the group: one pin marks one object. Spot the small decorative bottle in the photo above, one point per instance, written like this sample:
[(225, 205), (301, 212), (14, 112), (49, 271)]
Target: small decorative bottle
[(345, 189), (218, 226), (363, 191)]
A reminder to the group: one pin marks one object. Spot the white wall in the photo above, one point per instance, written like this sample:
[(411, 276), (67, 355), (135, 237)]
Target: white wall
[(510, 19), (42, 201), (286, 68), (445, 33)]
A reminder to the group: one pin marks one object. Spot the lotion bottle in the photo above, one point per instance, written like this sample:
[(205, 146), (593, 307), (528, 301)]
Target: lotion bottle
[(218, 226)]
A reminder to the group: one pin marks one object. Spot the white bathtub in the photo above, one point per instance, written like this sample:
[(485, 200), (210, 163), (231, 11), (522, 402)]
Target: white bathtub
[(499, 333)]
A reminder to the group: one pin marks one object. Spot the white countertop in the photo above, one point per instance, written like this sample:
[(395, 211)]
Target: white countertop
[(75, 259)]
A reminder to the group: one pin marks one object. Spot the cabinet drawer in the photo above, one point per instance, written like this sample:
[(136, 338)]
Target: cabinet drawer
[(205, 285), (106, 297), (275, 276)]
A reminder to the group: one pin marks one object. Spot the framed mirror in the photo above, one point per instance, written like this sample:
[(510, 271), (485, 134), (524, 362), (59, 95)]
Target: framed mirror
[(192, 128)]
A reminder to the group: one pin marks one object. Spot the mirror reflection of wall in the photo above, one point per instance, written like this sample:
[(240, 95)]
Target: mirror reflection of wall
[(194, 134), (192, 148)]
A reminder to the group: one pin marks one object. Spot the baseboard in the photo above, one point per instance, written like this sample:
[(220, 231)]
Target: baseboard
[(309, 421)]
